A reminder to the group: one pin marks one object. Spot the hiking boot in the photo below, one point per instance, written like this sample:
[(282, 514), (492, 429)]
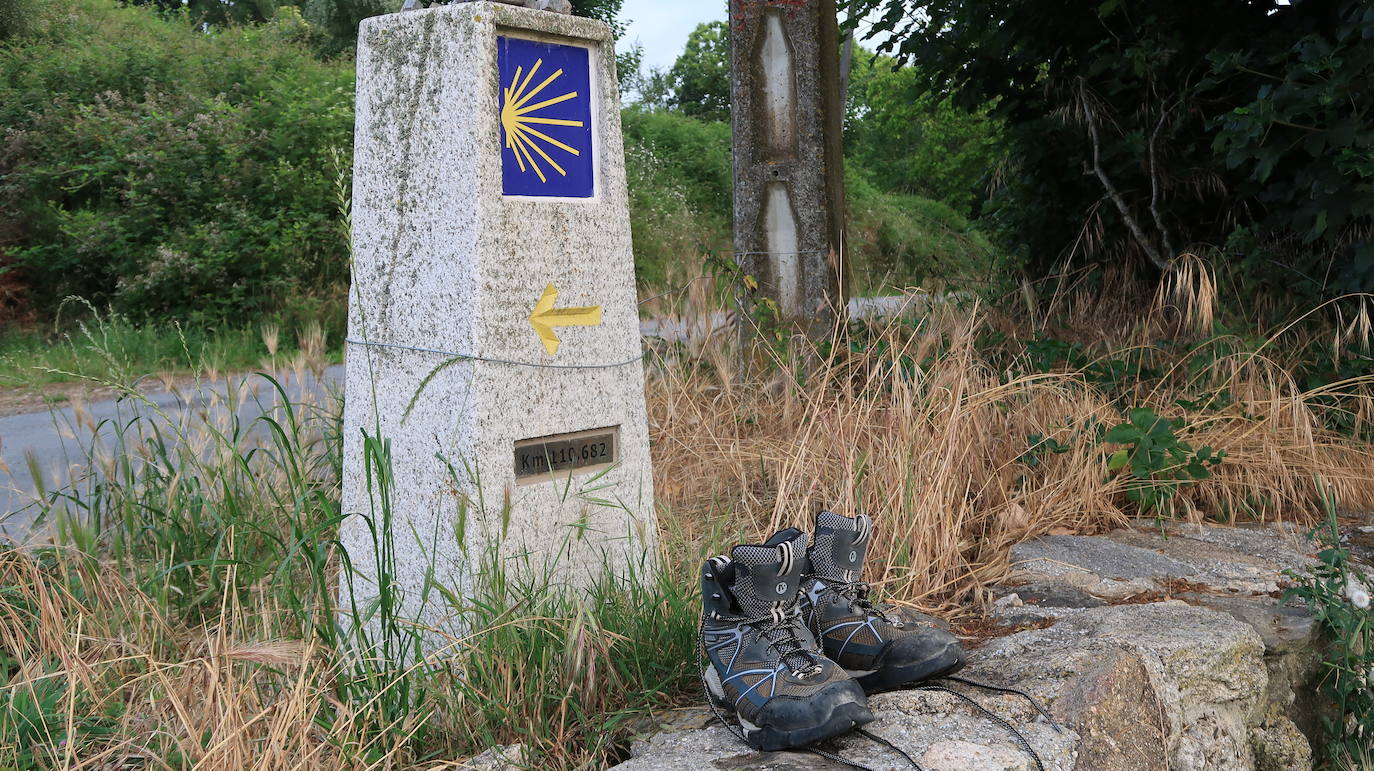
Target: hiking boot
[(881, 646), (765, 667)]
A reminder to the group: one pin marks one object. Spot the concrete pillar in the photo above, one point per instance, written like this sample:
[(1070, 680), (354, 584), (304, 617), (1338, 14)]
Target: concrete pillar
[(788, 157), (493, 327)]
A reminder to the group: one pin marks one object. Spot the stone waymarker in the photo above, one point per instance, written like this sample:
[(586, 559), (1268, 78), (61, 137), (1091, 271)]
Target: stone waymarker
[(493, 326), (789, 168)]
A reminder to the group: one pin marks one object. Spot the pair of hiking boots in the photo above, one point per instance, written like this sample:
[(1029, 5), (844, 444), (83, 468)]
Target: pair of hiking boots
[(794, 644)]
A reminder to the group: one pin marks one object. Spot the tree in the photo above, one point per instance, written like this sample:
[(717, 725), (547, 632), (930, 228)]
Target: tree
[(337, 20), (699, 80), (215, 12), (16, 17), (906, 140), (602, 10), (1140, 129), (912, 141)]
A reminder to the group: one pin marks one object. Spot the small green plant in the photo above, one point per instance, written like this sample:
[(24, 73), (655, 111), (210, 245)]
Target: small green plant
[(1038, 446), (1338, 592), (1158, 462), (1045, 354)]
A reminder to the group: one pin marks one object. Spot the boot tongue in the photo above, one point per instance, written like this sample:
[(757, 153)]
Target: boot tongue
[(841, 543), (767, 578), (773, 571)]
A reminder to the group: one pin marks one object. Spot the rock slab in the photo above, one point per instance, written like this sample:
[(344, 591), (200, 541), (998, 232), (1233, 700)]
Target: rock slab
[(1218, 677)]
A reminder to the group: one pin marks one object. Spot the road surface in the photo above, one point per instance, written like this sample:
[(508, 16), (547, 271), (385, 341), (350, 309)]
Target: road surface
[(55, 443)]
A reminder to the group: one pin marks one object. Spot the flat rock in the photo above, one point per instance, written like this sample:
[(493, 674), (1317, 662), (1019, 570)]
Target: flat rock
[(1049, 594), (938, 729), (1121, 682), (1211, 564), (1149, 558), (956, 755), (1279, 745), (1221, 675), (1280, 543), (1282, 629), (1203, 668), (1098, 566)]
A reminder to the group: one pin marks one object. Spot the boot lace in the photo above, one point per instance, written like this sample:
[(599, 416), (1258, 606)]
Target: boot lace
[(782, 627), (855, 595)]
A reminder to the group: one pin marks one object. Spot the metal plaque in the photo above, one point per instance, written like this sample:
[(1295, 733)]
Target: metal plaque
[(581, 451)]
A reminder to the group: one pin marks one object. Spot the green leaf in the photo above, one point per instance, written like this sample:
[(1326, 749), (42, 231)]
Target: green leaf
[(1143, 418), (1118, 460), (1333, 557), (1122, 434)]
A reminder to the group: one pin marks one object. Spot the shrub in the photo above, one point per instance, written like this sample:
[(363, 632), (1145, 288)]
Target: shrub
[(906, 240), (680, 187), (1191, 120), (15, 17), (681, 201), (172, 172), (1159, 464), (1337, 591)]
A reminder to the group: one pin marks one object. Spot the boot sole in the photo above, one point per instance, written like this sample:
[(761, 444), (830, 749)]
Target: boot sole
[(841, 720), (950, 660)]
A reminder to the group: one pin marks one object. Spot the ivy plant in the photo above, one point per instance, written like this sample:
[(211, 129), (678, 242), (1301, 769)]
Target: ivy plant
[(1338, 593)]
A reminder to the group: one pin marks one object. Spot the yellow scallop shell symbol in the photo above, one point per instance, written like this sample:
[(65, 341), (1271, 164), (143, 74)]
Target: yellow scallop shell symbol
[(518, 118)]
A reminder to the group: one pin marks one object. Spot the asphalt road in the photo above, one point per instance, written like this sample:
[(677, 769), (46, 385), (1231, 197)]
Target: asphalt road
[(55, 443)]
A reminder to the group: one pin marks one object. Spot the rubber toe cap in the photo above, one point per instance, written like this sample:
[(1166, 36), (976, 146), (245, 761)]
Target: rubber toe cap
[(933, 648), (788, 713)]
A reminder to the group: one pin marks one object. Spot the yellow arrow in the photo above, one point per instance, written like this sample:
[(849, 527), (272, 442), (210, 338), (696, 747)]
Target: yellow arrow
[(545, 317)]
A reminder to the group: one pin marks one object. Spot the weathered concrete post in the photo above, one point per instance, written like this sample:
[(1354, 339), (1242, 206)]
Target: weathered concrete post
[(789, 166), (493, 328)]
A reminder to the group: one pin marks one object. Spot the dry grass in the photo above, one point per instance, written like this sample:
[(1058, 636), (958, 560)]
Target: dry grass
[(928, 433), (88, 655), (108, 660)]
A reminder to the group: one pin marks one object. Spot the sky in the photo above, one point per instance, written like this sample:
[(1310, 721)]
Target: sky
[(662, 26)]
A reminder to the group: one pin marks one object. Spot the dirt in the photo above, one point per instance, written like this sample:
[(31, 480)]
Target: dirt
[(976, 632)]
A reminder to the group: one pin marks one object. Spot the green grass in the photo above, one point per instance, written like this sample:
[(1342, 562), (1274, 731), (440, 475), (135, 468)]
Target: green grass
[(900, 240), (116, 349), (215, 532)]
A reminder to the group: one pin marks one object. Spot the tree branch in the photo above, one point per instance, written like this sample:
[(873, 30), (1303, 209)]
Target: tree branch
[(1112, 192), (1154, 187)]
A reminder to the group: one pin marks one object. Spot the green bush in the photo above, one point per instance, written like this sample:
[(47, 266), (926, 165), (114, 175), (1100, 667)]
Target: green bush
[(1337, 591), (680, 188), (1159, 464), (165, 171), (16, 17), (1137, 132), (170, 172), (681, 193), (909, 141), (906, 240)]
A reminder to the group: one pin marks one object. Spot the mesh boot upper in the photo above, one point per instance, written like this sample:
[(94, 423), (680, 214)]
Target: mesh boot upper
[(852, 630), (752, 629), (840, 546)]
